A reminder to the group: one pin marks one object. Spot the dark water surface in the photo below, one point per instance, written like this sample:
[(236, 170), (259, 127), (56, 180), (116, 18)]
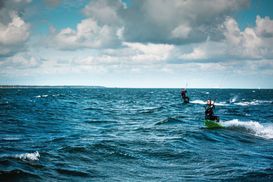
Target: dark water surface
[(89, 134)]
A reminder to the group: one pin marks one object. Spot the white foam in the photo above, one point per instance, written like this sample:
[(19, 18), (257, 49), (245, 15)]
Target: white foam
[(29, 156), (253, 127), (253, 103), (204, 102), (198, 102), (232, 100), (220, 104), (11, 138), (43, 96)]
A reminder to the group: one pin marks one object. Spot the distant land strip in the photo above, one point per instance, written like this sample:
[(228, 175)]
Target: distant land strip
[(49, 86)]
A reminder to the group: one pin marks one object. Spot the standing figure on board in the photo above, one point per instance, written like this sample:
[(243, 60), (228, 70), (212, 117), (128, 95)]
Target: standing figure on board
[(184, 96), (209, 111)]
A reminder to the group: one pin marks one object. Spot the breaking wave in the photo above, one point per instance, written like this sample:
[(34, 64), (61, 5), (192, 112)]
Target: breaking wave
[(253, 127), (29, 156), (253, 103), (204, 102)]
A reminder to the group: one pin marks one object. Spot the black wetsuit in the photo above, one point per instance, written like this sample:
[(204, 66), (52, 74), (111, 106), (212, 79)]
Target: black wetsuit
[(184, 96), (209, 113)]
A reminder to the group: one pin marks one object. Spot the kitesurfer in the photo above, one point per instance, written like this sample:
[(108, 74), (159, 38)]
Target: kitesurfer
[(184, 95), (209, 112)]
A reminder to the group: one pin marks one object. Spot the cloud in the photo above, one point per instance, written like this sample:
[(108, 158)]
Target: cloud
[(88, 34), (21, 61), (150, 52), (197, 53), (264, 27), (102, 28), (131, 54), (248, 44), (168, 22), (13, 35), (14, 31), (252, 42), (105, 12), (176, 21), (181, 31)]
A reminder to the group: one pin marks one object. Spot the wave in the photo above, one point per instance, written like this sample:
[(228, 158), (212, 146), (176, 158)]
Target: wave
[(41, 96), (233, 99), (18, 175), (253, 127), (11, 138), (204, 102), (29, 156), (198, 102), (254, 102), (169, 120), (150, 109), (71, 172)]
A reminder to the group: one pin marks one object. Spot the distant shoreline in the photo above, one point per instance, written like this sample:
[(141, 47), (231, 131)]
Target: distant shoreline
[(87, 86), (49, 86)]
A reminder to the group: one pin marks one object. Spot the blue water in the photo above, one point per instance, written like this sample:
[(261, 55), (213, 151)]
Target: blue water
[(105, 134)]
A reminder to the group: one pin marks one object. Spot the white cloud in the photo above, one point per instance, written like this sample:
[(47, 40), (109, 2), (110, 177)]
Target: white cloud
[(88, 34), (14, 31), (20, 61), (252, 42), (181, 31), (197, 53), (108, 23), (176, 21), (264, 26), (103, 11), (101, 29), (150, 51), (131, 54)]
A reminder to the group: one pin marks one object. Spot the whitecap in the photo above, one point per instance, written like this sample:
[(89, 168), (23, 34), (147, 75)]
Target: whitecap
[(253, 127), (11, 138), (198, 102), (253, 103), (204, 102), (233, 99), (29, 156), (220, 104), (41, 96)]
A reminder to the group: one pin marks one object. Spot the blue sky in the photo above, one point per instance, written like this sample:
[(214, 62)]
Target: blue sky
[(137, 43)]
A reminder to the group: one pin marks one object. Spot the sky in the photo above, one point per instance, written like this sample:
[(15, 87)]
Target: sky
[(137, 43)]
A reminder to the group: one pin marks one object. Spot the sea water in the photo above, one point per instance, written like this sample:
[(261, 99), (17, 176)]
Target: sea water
[(112, 134)]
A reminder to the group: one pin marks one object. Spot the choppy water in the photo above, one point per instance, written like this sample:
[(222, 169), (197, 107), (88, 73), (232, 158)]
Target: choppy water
[(77, 134)]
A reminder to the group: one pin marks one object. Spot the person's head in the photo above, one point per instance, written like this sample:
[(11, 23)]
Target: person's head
[(209, 102)]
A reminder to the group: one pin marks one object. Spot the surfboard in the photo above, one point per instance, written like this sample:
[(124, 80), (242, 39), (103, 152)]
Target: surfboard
[(212, 124)]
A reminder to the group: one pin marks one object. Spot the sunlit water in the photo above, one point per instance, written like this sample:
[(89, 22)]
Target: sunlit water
[(104, 134)]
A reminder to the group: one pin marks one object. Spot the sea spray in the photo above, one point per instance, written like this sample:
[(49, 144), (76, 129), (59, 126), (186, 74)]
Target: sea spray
[(204, 102), (29, 156), (252, 126)]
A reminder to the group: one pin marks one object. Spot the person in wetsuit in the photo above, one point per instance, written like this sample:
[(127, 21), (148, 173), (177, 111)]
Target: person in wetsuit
[(184, 96), (209, 111)]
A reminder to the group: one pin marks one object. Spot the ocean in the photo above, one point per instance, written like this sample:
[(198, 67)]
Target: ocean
[(119, 134)]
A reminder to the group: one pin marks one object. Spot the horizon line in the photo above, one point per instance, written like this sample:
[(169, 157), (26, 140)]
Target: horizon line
[(99, 86)]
